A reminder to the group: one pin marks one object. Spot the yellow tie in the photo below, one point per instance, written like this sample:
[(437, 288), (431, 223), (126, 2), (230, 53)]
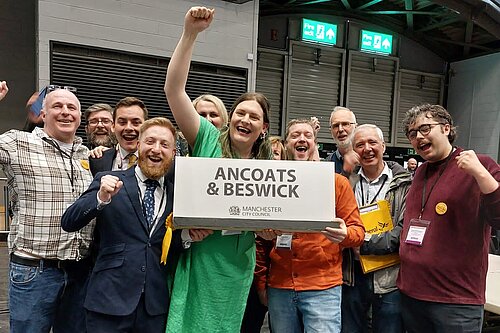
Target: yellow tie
[(131, 160)]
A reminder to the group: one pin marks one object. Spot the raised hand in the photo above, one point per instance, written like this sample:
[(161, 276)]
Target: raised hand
[(469, 163), (198, 19), (3, 89), (110, 185)]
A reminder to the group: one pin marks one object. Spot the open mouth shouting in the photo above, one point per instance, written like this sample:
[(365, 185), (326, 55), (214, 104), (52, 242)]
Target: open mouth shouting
[(243, 130)]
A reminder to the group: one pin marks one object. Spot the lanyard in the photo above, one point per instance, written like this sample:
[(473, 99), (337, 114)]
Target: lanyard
[(69, 156), (376, 195), (424, 199)]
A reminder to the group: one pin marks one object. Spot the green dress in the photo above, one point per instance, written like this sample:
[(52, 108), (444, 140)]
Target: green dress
[(213, 277)]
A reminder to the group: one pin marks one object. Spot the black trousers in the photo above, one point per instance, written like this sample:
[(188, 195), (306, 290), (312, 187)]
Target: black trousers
[(138, 321), (432, 317)]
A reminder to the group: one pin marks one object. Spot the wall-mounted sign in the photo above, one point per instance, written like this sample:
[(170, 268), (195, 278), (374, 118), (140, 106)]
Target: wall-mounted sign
[(320, 32), (376, 42)]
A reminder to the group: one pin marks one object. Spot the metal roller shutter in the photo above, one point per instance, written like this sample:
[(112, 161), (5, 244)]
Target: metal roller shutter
[(106, 76), (269, 81), (370, 89), (315, 84), (416, 88)]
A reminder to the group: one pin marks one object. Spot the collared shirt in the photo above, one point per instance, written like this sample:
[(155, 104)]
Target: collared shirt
[(121, 159), (367, 192), (42, 183), (160, 196)]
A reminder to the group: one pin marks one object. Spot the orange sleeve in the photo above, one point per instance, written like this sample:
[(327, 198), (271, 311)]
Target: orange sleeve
[(347, 209)]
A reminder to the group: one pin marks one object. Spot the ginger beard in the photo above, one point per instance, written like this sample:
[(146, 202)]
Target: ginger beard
[(153, 171)]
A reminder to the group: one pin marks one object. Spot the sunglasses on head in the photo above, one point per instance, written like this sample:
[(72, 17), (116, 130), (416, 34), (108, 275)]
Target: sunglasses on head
[(52, 87)]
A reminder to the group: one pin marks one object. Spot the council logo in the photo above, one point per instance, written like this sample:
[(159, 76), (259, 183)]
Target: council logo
[(234, 210)]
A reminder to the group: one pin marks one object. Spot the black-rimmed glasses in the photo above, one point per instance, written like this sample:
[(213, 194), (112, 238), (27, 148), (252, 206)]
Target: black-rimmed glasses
[(423, 129), (52, 87), (103, 121)]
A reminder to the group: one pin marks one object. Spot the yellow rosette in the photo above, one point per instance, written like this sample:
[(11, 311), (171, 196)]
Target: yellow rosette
[(167, 239)]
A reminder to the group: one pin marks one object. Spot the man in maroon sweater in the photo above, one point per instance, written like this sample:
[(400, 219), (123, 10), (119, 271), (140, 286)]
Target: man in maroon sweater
[(450, 208)]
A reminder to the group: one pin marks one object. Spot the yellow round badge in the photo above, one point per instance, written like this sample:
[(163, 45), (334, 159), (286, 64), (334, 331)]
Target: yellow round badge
[(441, 208), (85, 164)]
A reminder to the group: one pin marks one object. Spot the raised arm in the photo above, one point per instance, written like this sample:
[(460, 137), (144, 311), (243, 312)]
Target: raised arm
[(196, 20), (3, 89)]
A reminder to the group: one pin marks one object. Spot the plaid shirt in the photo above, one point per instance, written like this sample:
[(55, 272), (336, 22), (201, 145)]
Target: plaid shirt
[(39, 182)]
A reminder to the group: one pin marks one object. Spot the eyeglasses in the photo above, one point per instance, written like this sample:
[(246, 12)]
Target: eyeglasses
[(344, 124), (103, 121), (52, 87), (423, 129)]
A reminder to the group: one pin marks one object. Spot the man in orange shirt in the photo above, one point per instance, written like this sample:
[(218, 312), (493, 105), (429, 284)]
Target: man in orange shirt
[(303, 281)]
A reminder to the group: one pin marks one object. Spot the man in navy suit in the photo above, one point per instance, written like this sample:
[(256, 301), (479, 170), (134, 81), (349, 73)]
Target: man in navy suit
[(128, 290), (128, 116)]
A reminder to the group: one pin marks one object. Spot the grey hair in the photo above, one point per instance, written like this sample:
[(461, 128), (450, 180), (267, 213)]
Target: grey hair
[(367, 126), (342, 108)]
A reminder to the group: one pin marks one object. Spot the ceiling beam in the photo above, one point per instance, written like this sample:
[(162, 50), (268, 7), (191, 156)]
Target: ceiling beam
[(409, 17), (312, 2), (439, 24), (346, 4), (478, 14), (468, 36), (444, 40), (400, 12), (368, 4)]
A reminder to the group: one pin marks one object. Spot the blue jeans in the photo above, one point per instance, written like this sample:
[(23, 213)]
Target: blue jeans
[(305, 311), (360, 298), (44, 298)]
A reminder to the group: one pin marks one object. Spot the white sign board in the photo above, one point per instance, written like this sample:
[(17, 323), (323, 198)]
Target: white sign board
[(243, 194)]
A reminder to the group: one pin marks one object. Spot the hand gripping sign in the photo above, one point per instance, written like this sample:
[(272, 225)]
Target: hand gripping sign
[(240, 194)]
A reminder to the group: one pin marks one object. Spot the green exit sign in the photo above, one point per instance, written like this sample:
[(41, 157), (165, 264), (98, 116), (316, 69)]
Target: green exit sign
[(376, 42), (320, 32)]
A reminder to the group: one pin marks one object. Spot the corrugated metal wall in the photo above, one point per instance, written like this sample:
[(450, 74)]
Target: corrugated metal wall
[(416, 88), (371, 89), (270, 81), (315, 84), (106, 76)]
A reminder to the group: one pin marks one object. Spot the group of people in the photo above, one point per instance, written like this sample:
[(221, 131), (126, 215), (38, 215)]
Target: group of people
[(92, 249)]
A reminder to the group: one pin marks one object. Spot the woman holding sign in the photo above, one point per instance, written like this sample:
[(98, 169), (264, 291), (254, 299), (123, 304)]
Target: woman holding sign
[(213, 277)]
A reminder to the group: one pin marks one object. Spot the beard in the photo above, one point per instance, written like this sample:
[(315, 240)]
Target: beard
[(153, 172), (108, 141)]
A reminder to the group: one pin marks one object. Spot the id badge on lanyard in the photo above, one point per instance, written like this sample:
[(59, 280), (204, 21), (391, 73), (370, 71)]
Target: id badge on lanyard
[(416, 232), (284, 241)]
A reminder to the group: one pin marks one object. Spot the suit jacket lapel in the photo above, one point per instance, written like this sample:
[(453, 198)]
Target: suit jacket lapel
[(130, 185), (169, 196)]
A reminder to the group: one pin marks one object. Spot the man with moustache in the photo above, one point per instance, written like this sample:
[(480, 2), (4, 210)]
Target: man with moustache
[(47, 169), (128, 116), (302, 282), (342, 123), (128, 287), (453, 203), (99, 125)]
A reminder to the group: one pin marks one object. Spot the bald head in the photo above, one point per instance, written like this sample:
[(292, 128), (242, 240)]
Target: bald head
[(61, 115), (412, 164)]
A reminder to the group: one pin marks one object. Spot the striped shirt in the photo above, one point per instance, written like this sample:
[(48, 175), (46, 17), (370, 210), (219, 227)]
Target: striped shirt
[(44, 177)]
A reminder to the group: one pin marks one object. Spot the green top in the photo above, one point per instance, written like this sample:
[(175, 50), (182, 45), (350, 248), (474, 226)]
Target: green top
[(213, 277)]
